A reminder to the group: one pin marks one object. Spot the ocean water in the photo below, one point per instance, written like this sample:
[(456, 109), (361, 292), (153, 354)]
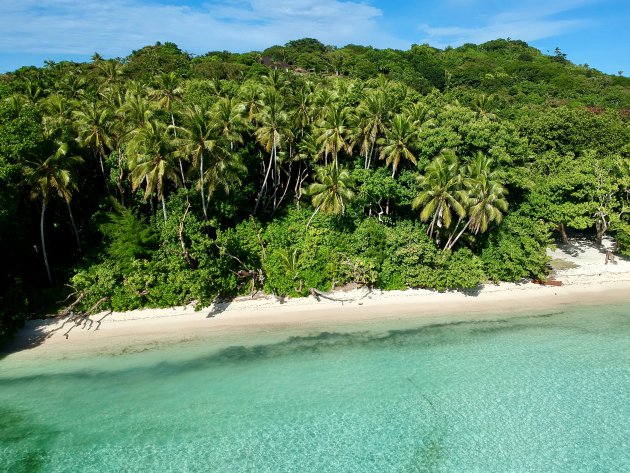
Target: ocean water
[(539, 393)]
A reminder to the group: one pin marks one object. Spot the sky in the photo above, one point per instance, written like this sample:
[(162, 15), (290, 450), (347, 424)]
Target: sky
[(593, 32)]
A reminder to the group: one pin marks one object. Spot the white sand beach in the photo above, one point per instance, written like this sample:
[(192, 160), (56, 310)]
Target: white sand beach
[(581, 268)]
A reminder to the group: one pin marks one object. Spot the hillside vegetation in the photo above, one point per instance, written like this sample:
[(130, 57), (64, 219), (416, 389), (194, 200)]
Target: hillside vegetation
[(161, 179)]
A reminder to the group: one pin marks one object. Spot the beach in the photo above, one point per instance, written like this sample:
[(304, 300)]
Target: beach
[(581, 268)]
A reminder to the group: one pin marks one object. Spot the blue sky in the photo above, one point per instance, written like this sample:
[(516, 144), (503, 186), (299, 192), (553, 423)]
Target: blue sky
[(595, 32)]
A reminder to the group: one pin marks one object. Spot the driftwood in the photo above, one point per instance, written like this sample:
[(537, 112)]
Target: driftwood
[(317, 294), (68, 310), (548, 282)]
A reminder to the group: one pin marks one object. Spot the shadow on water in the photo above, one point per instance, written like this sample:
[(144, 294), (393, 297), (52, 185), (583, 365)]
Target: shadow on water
[(442, 334), (25, 442)]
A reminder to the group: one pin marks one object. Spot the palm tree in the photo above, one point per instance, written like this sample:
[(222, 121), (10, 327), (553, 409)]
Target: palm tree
[(109, 71), (334, 133), (271, 132), (227, 115), (302, 116), (372, 113), (249, 93), (275, 80), (16, 103), (483, 107), (441, 193), (93, 122), (151, 160), (197, 142), (57, 114), (332, 191), (55, 173), (400, 136), (486, 204), (137, 110), (167, 91)]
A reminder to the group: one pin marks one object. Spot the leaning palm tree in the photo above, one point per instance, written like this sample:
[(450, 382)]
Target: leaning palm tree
[(332, 192), (487, 204), (396, 144), (151, 160), (55, 173), (441, 193)]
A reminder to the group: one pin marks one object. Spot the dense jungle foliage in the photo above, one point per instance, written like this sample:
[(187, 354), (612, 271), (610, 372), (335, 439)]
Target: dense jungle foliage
[(161, 179)]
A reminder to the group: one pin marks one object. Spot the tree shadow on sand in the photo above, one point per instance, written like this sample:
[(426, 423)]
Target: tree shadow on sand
[(35, 332)]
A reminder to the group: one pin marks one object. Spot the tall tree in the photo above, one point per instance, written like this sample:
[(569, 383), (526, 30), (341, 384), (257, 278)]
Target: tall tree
[(372, 115), (334, 132), (54, 174), (441, 194), (272, 131), (331, 192), (152, 155), (398, 141), (94, 121)]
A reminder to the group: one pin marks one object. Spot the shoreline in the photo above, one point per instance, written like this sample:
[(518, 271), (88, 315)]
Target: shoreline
[(245, 321), (249, 321)]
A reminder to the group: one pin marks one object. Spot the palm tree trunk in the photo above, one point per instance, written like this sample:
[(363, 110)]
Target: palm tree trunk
[(276, 172), (41, 234), (452, 243), (204, 204), (100, 153), (74, 227), (121, 191), (181, 167), (264, 184), (163, 207), (313, 216)]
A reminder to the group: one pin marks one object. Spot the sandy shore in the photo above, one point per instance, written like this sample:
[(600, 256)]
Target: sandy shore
[(580, 267)]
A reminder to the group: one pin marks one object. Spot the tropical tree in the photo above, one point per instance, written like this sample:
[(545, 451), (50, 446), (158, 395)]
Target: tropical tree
[(485, 200), (372, 114), (227, 117), (57, 114), (249, 93), (167, 91), (54, 174), (441, 194), (272, 131), (151, 159), (93, 122), (332, 192), (396, 144), (334, 133), (483, 107)]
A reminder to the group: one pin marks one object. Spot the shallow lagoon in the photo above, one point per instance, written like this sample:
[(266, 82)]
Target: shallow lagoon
[(546, 392)]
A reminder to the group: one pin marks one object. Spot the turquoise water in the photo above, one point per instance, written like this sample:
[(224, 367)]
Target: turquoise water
[(549, 392)]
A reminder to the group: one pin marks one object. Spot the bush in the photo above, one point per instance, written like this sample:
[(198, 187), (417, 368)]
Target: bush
[(517, 249)]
